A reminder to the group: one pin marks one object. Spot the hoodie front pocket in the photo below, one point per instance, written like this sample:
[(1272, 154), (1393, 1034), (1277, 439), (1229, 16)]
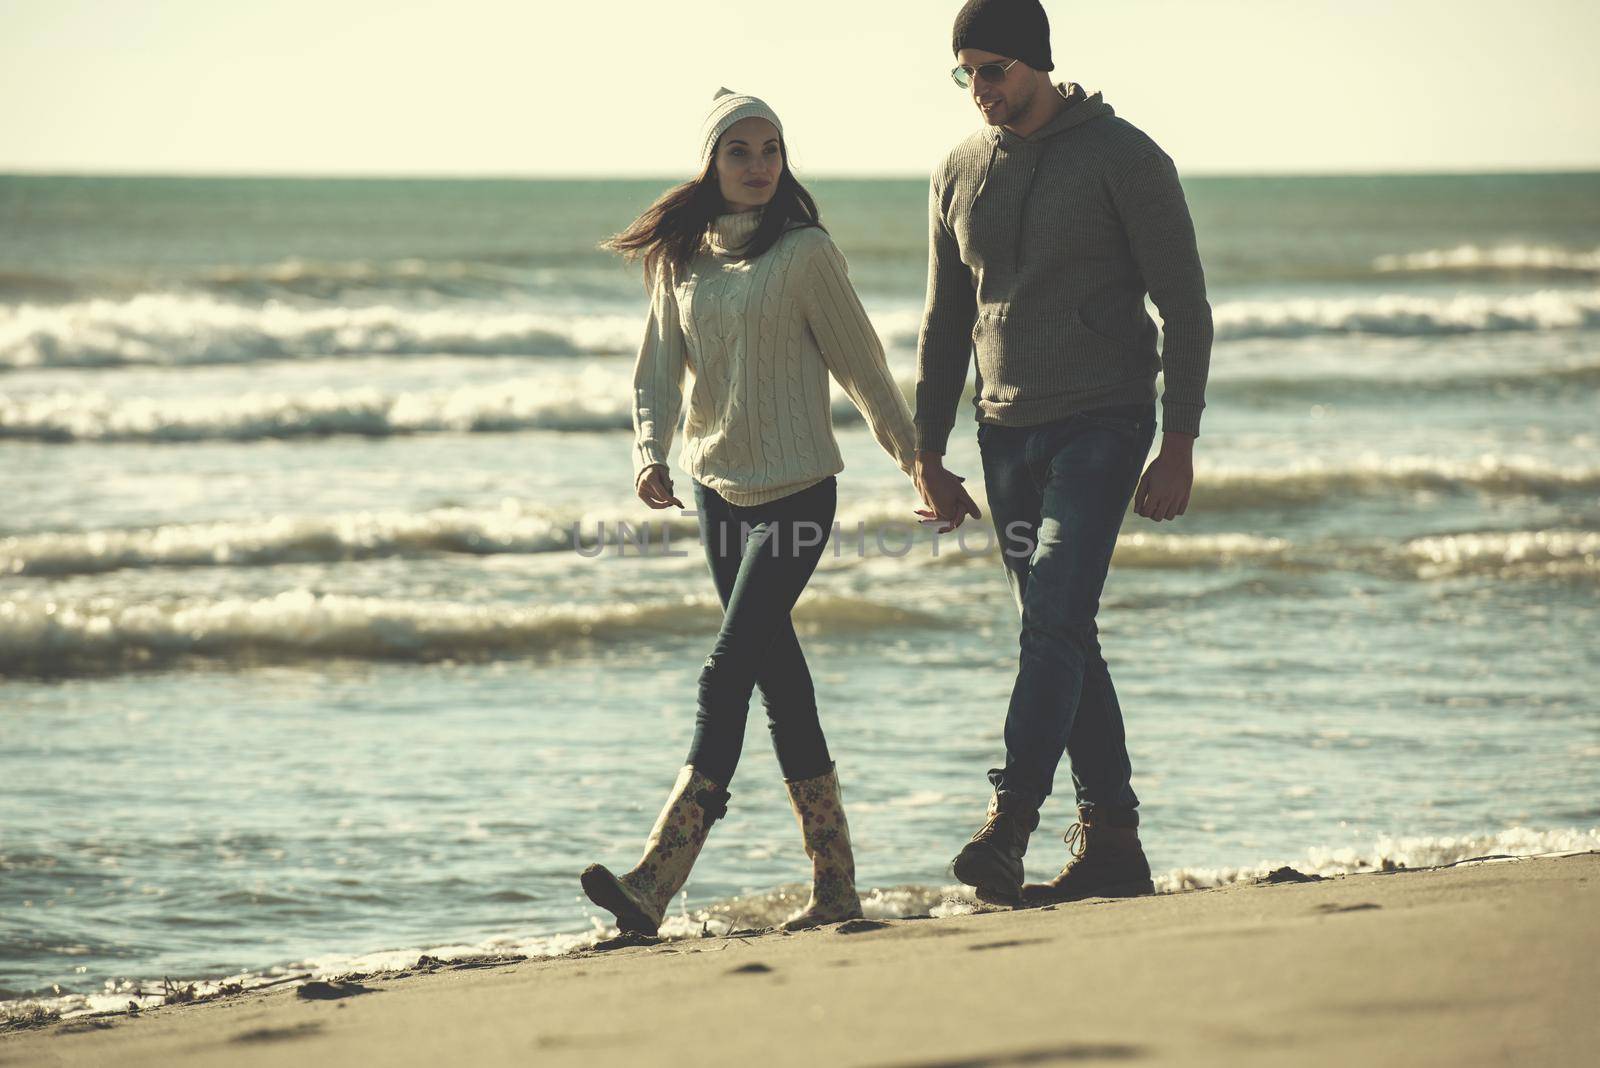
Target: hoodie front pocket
[(1101, 359), (1104, 338), (989, 348)]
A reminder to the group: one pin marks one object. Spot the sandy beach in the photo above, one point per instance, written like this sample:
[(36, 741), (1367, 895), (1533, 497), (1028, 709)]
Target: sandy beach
[(1487, 962), (339, 632)]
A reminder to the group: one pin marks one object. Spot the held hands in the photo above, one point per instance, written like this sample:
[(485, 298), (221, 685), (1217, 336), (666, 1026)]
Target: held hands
[(1163, 492), (655, 488), (947, 500)]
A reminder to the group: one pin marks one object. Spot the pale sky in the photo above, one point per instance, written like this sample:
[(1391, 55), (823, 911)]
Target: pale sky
[(619, 87)]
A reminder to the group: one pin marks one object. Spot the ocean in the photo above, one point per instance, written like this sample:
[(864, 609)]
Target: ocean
[(310, 662)]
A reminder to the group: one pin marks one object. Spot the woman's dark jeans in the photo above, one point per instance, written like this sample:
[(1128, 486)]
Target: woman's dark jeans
[(1057, 495), (761, 558)]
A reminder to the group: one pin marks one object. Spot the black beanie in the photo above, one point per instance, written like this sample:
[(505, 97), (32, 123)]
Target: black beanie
[(1017, 29)]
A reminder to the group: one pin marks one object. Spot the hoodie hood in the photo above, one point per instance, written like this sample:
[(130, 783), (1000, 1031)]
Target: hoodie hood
[(1081, 107)]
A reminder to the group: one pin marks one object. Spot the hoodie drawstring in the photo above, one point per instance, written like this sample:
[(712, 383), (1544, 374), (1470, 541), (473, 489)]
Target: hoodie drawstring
[(1033, 172), (994, 149)]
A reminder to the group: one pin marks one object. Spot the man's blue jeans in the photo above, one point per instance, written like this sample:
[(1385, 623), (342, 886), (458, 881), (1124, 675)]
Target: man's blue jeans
[(1057, 494)]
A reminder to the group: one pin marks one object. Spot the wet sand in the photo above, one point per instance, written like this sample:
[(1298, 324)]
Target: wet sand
[(1493, 962)]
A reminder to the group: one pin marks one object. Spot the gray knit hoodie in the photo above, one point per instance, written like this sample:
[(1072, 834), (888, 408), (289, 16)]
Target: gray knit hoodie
[(1041, 251)]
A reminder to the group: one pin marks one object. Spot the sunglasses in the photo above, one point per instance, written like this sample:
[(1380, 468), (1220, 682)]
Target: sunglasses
[(989, 72)]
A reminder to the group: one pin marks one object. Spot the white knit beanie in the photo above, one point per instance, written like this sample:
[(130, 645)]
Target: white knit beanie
[(727, 108)]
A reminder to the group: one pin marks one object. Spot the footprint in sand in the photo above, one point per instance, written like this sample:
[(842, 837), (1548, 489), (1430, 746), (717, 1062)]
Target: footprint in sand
[(753, 968)]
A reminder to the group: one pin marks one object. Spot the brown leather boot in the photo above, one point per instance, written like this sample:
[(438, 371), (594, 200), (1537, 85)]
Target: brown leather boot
[(1107, 860), (991, 863)]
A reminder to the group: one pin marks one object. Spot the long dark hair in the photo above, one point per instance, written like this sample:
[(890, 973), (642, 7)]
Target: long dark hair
[(669, 233)]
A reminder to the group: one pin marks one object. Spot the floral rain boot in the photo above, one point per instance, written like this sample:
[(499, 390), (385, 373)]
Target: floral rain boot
[(640, 897), (820, 810)]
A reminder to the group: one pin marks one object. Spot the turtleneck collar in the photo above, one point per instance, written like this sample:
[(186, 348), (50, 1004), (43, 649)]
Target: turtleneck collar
[(728, 234)]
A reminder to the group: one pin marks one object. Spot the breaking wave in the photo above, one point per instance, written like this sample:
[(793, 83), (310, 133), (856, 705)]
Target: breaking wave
[(171, 329), (1239, 488), (1354, 389), (1408, 316), (589, 399), (190, 329), (1500, 261), (48, 637), (1506, 554), (377, 535), (585, 397), (1393, 853)]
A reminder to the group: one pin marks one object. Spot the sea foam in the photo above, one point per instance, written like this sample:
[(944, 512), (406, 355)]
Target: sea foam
[(589, 397), (178, 328), (866, 528), (164, 328), (1234, 488), (768, 908), (1407, 315), (1392, 853), (1470, 260), (46, 637)]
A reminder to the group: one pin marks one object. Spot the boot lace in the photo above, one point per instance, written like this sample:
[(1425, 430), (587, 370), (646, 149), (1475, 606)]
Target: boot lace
[(990, 828), (1077, 841)]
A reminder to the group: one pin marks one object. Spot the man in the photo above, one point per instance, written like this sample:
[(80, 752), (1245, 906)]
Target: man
[(1047, 228)]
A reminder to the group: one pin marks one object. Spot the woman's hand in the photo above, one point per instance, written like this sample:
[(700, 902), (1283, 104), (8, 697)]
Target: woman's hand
[(655, 488)]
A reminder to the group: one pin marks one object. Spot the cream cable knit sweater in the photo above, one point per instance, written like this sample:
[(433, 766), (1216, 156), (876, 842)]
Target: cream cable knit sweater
[(760, 339)]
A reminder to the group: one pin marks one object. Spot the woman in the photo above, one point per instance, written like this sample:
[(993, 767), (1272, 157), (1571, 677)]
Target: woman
[(750, 293)]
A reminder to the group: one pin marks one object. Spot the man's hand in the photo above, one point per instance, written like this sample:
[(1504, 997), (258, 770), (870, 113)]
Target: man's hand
[(1163, 492), (942, 492)]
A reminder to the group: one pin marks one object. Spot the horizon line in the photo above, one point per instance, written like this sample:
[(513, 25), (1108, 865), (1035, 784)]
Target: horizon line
[(530, 176)]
